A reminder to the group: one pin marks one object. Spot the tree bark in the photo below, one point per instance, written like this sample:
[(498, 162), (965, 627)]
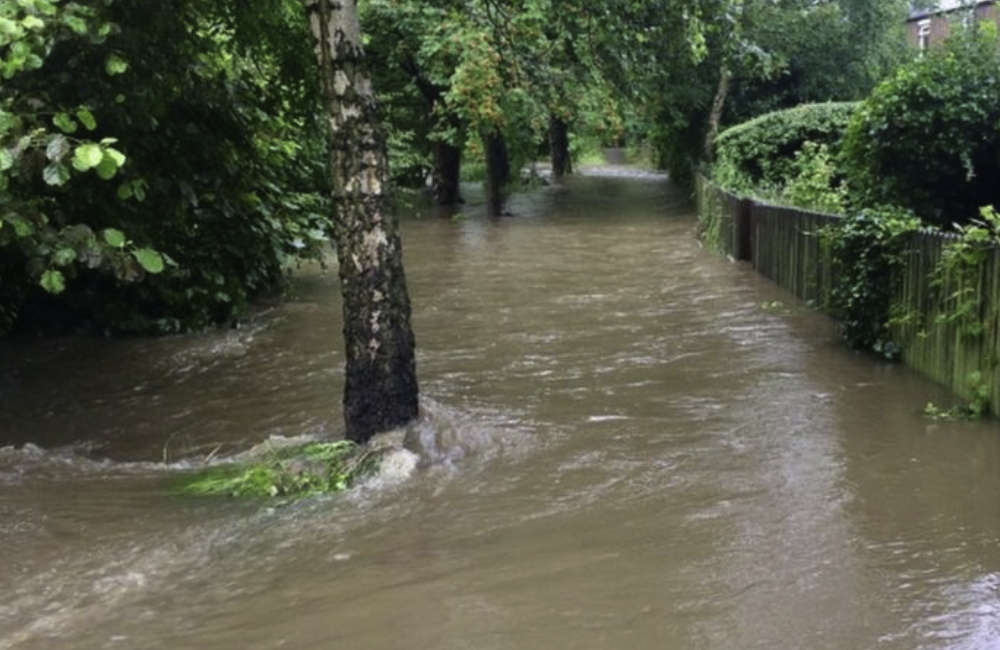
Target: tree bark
[(446, 174), (715, 116), (497, 171), (562, 163), (380, 391)]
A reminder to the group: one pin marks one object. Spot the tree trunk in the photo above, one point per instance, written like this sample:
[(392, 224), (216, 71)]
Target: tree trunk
[(562, 163), (380, 391), (497, 171), (715, 117), (447, 157), (445, 177)]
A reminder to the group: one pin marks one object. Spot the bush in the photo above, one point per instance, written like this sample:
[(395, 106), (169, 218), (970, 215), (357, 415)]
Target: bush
[(928, 138), (868, 249), (158, 168), (814, 185), (762, 152)]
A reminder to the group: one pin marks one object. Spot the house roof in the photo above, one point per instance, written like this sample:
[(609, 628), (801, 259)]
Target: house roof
[(943, 6)]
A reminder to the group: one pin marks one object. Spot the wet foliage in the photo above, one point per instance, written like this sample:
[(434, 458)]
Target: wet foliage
[(302, 471), (869, 249), (763, 151), (927, 138), (160, 163)]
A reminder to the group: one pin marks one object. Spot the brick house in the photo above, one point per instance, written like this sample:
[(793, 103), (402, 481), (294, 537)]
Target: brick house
[(926, 27)]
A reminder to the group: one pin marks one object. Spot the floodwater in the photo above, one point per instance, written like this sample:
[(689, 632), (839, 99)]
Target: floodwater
[(627, 442)]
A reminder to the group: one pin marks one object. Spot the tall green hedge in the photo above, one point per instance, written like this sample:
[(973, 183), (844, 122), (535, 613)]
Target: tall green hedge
[(761, 152)]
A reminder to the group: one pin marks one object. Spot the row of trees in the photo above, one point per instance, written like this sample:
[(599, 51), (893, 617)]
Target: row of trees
[(163, 164), (160, 167)]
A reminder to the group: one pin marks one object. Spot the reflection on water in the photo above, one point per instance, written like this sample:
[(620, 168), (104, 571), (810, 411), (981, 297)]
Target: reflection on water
[(619, 448)]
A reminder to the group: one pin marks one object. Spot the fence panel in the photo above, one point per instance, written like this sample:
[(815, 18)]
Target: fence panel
[(785, 247)]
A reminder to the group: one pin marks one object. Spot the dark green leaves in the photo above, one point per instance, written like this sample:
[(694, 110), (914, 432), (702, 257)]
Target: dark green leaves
[(56, 174), (86, 118), (114, 237), (191, 109), (927, 138), (64, 123), (57, 148), (53, 281), (115, 65), (150, 260)]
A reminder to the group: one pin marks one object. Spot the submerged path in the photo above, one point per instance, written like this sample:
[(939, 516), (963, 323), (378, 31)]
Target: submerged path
[(628, 443)]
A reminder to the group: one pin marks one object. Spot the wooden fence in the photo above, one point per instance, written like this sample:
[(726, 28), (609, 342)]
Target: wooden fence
[(782, 244)]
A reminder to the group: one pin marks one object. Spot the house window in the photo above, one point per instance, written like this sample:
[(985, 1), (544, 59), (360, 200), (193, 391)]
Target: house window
[(923, 34)]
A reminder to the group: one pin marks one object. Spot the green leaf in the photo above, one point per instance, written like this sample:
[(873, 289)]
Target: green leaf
[(87, 156), (125, 191), (116, 156), (115, 65), (75, 23), (55, 174), (6, 159), (22, 227), (32, 22), (107, 168), (53, 281), (64, 256), (86, 118), (149, 260), (57, 148), (64, 123), (9, 29), (114, 237)]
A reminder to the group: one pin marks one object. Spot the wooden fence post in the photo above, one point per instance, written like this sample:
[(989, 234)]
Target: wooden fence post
[(742, 230)]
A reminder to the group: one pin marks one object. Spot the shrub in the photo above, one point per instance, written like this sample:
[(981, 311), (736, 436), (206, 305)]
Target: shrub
[(159, 168), (928, 138), (814, 185), (962, 269), (868, 248), (761, 152)]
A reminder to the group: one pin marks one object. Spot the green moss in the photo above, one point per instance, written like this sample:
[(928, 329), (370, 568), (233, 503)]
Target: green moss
[(300, 471)]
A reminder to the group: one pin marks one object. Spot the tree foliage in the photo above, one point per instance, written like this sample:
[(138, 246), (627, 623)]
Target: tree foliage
[(927, 139), (778, 55), (161, 164), (160, 161)]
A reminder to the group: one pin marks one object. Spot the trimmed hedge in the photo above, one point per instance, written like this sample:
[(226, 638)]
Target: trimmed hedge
[(762, 151)]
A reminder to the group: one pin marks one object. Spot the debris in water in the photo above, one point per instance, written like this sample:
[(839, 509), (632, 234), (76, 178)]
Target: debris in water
[(290, 471)]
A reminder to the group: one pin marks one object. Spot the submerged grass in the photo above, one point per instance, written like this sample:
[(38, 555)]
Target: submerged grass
[(298, 471)]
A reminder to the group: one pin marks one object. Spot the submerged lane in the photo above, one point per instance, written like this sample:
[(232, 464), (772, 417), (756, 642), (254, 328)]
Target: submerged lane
[(626, 444)]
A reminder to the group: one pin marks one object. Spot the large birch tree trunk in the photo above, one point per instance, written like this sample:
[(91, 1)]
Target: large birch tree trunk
[(380, 391)]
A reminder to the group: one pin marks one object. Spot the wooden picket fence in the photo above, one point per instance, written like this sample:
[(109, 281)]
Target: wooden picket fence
[(782, 244)]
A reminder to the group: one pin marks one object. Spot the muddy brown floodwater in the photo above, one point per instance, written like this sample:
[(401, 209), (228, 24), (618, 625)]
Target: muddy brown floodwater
[(625, 444)]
